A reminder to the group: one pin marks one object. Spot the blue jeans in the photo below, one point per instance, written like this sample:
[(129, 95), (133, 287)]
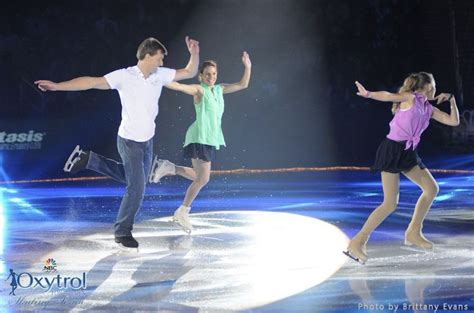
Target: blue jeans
[(133, 171)]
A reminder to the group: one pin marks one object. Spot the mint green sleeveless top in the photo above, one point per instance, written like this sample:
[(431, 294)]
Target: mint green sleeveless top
[(207, 129)]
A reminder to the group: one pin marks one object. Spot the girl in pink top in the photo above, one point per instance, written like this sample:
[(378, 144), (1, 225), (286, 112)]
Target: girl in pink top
[(398, 154)]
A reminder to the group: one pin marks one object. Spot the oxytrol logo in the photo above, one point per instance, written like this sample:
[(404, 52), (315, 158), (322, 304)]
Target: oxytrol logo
[(27, 280), (30, 136)]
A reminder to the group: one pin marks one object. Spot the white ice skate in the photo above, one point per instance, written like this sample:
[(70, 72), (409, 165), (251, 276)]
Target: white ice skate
[(358, 259), (73, 159), (161, 168), (356, 249), (416, 241), (181, 216)]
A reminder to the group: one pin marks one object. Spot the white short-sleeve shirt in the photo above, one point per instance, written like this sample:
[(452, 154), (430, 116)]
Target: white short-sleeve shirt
[(139, 97)]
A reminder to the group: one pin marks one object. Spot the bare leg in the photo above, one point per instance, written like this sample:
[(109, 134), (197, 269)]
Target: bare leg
[(391, 189), (424, 179), (202, 170), (186, 172)]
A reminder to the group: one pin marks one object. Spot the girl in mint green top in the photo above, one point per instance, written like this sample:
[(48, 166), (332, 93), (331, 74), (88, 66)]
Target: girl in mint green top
[(207, 130), (204, 136)]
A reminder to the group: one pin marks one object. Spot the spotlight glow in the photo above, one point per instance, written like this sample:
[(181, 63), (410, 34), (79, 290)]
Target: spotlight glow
[(235, 260), (27, 207)]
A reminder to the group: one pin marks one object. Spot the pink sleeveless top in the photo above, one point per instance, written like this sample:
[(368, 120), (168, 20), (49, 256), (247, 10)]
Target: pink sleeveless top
[(408, 125)]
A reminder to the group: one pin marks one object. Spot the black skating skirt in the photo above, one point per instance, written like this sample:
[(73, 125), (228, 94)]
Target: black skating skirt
[(392, 157), (200, 151)]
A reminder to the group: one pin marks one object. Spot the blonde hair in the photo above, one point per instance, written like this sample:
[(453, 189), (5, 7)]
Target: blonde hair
[(414, 82)]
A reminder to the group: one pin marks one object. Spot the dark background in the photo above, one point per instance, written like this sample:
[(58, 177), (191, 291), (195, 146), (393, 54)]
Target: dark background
[(300, 108)]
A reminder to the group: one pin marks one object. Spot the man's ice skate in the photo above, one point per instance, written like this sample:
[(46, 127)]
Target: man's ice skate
[(181, 216), (77, 161), (356, 250), (127, 244), (414, 240), (161, 168)]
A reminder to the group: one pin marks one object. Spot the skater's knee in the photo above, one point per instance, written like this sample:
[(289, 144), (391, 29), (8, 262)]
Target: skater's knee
[(202, 180), (431, 190), (390, 205)]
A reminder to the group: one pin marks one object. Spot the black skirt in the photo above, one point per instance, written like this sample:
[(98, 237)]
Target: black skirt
[(393, 158), (200, 151)]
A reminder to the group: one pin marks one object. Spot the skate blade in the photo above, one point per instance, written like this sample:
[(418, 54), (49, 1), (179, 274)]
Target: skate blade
[(123, 249), (348, 254), (176, 221), (186, 230), (411, 247), (151, 177), (73, 158)]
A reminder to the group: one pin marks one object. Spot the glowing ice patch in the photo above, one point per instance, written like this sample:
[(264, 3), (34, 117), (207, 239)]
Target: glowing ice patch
[(233, 261)]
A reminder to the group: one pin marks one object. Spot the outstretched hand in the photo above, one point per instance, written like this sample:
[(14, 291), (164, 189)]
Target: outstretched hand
[(193, 45), (45, 85), (246, 60), (361, 91)]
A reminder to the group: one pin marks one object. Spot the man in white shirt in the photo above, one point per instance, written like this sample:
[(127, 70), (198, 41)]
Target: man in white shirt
[(139, 88)]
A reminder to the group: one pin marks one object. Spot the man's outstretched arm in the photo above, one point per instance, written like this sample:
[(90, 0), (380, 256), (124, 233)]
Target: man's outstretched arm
[(80, 83)]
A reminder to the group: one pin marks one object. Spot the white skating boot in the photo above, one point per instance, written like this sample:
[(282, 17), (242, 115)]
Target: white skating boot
[(414, 237), (161, 168), (181, 216), (356, 249)]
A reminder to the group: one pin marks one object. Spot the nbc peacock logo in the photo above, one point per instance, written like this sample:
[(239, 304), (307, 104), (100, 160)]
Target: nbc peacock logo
[(50, 265)]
